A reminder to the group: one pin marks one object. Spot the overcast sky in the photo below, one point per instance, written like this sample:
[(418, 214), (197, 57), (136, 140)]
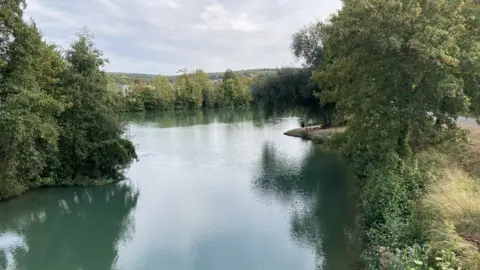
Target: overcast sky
[(162, 36)]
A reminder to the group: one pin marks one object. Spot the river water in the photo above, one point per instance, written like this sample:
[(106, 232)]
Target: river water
[(211, 190)]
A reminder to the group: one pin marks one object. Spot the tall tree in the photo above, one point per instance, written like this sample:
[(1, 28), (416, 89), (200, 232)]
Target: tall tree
[(11, 18), (189, 94), (396, 66), (92, 144), (29, 69), (307, 45), (228, 75), (203, 82), (164, 92)]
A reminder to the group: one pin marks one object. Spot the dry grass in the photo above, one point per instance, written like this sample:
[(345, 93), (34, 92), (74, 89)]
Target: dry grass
[(456, 198), (452, 203), (452, 208)]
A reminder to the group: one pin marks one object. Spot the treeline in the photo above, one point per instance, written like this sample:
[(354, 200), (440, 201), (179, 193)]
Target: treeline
[(402, 72), (290, 88), (129, 78), (188, 91), (58, 123)]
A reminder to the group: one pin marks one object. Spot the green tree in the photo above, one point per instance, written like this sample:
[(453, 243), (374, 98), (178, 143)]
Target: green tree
[(307, 45), (234, 90), (228, 88), (242, 94), (149, 98), (164, 92), (57, 117), (228, 75), (188, 92), (203, 82), (92, 143), (398, 67), (28, 83), (290, 88)]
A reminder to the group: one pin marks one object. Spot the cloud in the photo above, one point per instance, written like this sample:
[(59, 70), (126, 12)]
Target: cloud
[(216, 17), (112, 8), (161, 36)]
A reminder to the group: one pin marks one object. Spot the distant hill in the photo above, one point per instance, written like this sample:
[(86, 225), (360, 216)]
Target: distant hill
[(127, 78)]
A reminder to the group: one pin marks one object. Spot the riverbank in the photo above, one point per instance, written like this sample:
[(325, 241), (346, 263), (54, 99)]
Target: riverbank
[(446, 214), (314, 132), (428, 207)]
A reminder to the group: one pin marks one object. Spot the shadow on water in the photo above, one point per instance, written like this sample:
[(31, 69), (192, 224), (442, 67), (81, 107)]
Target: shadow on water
[(325, 218), (61, 228), (186, 118)]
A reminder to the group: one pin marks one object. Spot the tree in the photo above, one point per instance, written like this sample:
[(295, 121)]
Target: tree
[(11, 17), (307, 45), (188, 93), (242, 94), (203, 82), (395, 67), (228, 88), (29, 70), (57, 115), (164, 92), (92, 144), (228, 75), (234, 90), (289, 88)]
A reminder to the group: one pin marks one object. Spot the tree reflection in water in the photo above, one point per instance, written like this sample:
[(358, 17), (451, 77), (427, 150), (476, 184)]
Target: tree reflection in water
[(67, 228), (325, 220)]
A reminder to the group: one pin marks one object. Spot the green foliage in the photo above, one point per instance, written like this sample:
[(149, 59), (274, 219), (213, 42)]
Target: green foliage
[(307, 45), (28, 107), (388, 200), (417, 257), (57, 117), (234, 90), (91, 145), (129, 78), (396, 69), (289, 88), (401, 72), (189, 91)]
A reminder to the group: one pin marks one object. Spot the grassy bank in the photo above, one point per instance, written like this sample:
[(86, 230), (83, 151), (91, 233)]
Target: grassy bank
[(423, 212)]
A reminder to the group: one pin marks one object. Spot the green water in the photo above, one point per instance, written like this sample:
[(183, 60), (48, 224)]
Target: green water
[(215, 190)]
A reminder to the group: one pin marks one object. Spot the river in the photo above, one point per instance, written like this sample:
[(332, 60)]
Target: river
[(211, 190)]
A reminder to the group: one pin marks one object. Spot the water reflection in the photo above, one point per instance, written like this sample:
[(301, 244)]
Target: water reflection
[(70, 228), (325, 217), (168, 119), (186, 118)]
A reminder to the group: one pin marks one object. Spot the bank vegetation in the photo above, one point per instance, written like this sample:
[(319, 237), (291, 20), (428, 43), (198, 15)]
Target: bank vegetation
[(400, 73), (58, 120)]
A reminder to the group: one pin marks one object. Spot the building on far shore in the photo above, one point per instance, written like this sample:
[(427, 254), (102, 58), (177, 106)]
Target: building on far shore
[(123, 89)]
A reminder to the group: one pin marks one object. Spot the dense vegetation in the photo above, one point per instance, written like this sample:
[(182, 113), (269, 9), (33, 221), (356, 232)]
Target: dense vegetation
[(402, 72), (58, 120), (129, 78), (289, 88), (189, 91)]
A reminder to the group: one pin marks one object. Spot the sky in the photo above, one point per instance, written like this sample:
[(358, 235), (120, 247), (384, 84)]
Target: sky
[(163, 36)]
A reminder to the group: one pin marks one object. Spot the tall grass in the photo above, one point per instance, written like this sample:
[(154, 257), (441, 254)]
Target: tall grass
[(452, 207), (438, 227), (451, 204)]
